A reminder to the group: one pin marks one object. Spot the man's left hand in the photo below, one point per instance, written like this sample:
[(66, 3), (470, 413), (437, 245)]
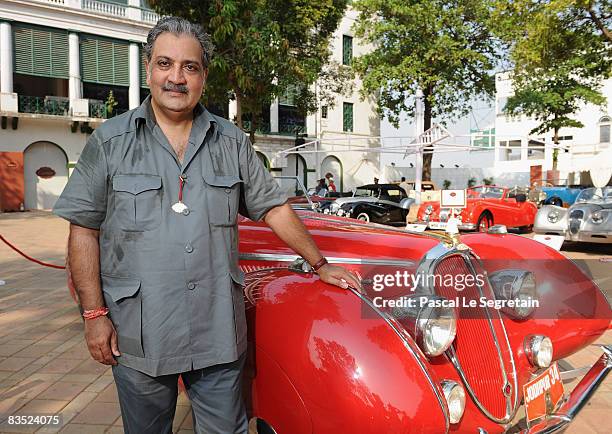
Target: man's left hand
[(338, 276)]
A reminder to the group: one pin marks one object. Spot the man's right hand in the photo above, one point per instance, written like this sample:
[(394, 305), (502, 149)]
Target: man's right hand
[(101, 339)]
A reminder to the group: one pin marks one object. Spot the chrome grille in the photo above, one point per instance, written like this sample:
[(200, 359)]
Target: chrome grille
[(480, 349)]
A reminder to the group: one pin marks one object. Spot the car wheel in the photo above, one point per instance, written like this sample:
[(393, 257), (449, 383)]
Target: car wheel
[(485, 221), (363, 216)]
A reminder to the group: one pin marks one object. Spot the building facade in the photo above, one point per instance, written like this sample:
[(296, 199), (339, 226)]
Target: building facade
[(68, 65)]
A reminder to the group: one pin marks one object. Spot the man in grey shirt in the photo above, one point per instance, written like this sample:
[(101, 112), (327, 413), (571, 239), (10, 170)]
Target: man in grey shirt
[(153, 205)]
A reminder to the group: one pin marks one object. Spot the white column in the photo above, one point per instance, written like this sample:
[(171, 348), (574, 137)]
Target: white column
[(75, 86), (419, 125), (232, 110), (274, 116), (133, 11), (134, 100), (6, 54)]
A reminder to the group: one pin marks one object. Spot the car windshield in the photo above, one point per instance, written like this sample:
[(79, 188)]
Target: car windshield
[(366, 192), (383, 192), (486, 192), (595, 195)]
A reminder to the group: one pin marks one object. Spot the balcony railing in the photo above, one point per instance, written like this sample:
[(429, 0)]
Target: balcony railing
[(289, 128), (97, 109), (49, 105), (106, 7)]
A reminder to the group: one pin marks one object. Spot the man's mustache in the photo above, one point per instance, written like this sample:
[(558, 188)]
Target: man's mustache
[(170, 87)]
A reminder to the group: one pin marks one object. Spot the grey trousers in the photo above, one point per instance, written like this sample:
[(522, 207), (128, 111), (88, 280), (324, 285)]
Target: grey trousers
[(148, 403)]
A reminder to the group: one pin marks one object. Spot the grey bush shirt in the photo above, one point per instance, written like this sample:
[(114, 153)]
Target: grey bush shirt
[(171, 281)]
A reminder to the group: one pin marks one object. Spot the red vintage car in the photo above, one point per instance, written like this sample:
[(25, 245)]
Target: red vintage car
[(325, 360), (487, 205)]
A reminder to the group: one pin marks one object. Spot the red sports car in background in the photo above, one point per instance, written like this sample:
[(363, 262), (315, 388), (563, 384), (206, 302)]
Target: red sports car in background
[(487, 205)]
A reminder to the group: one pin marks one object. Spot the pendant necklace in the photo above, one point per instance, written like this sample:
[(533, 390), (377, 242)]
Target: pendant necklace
[(180, 207)]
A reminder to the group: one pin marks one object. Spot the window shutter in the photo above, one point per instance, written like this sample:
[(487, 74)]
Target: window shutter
[(347, 49), (105, 61), (347, 117), (143, 71), (40, 51)]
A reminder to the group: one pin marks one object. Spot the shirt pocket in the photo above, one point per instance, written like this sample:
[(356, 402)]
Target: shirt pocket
[(137, 201), (124, 301), (222, 198)]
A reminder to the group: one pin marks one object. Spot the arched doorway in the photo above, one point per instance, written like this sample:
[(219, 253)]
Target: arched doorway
[(45, 170), (296, 166), (332, 164)]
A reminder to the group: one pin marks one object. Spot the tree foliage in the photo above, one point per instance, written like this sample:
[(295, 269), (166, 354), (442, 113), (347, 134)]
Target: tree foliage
[(559, 55), (263, 47), (442, 47)]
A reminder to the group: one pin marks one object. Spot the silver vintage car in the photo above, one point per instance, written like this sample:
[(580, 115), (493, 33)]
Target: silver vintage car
[(589, 219)]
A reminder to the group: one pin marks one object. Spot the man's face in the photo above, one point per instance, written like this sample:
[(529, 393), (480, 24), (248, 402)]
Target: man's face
[(175, 74)]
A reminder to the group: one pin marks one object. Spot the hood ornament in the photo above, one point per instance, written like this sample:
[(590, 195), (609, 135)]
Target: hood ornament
[(452, 229)]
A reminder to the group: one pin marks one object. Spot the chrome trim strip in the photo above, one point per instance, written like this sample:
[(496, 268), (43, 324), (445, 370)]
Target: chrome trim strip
[(396, 328), (277, 257), (573, 373)]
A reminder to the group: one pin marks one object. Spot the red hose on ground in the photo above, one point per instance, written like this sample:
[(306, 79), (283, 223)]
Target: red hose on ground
[(29, 258)]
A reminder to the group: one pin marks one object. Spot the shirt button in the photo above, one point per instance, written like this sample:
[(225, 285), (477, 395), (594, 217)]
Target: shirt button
[(227, 190), (184, 176), (191, 285), (189, 248), (186, 211)]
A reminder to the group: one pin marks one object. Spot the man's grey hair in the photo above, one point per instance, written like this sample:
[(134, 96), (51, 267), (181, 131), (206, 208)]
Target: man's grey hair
[(180, 26)]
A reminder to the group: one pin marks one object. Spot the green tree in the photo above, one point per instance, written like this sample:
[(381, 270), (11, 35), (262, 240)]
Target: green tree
[(263, 48), (559, 55), (110, 104), (441, 47)]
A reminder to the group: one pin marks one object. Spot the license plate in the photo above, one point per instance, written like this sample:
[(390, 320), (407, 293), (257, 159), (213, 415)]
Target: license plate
[(437, 225), (543, 393)]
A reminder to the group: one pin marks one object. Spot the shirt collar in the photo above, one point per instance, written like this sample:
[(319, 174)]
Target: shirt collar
[(202, 119)]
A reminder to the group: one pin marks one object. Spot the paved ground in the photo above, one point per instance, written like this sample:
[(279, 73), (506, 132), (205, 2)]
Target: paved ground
[(45, 367)]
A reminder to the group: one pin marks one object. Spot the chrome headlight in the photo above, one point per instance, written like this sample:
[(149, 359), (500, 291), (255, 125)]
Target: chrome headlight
[(539, 350), (333, 208), (553, 216), (431, 320), (454, 394), (429, 209), (599, 216), (519, 286), (326, 211), (340, 212)]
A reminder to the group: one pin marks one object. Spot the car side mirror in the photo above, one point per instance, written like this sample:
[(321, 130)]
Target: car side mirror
[(521, 197)]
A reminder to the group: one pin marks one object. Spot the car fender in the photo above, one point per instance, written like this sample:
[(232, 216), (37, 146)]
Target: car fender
[(350, 369)]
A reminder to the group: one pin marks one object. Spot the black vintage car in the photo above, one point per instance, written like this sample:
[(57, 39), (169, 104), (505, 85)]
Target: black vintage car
[(379, 203)]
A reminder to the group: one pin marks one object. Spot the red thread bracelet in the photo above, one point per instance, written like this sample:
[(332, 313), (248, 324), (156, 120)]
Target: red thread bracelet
[(95, 313), (319, 264)]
